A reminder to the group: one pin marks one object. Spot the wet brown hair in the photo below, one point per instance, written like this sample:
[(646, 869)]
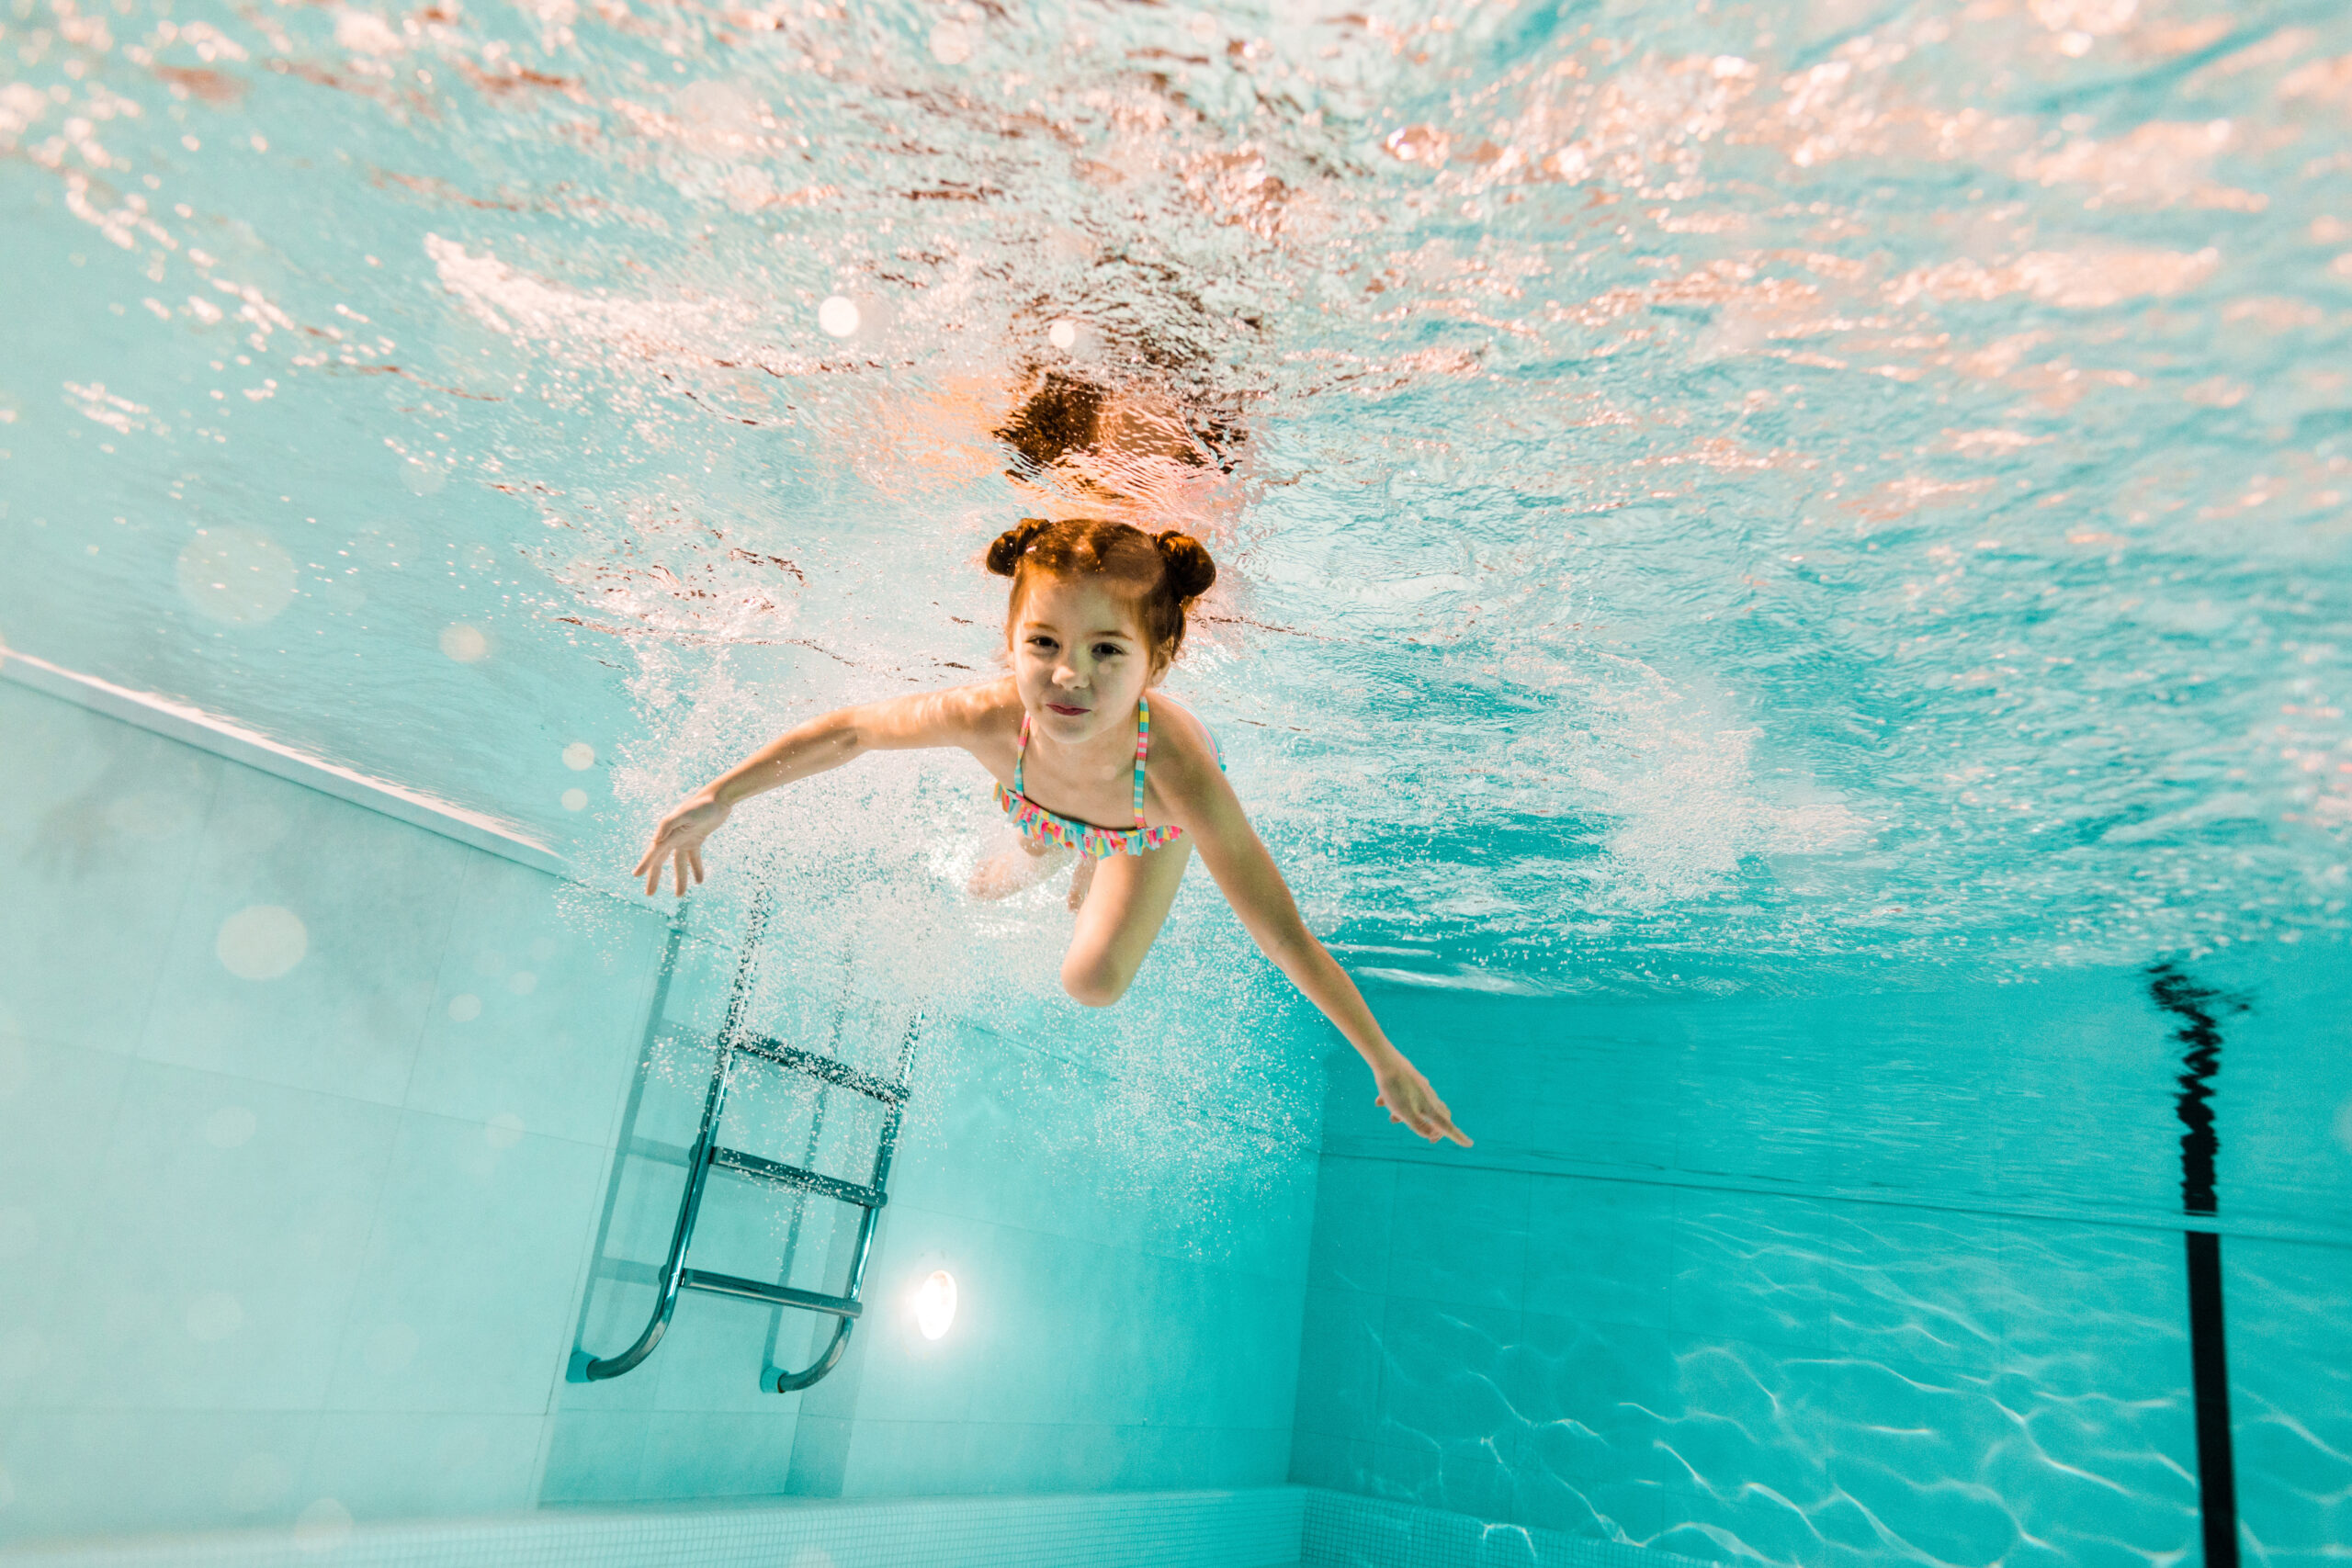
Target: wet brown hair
[(1063, 414), (1165, 572)]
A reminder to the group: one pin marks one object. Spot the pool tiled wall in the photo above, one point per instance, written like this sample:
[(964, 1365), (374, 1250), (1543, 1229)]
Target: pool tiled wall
[(303, 1201), (1658, 1343), (304, 1114)]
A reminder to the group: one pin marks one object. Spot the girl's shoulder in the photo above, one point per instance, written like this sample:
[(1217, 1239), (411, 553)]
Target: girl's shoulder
[(1184, 750), (976, 715), (984, 708)]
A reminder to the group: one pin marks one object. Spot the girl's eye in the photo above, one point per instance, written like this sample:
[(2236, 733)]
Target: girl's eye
[(1108, 650)]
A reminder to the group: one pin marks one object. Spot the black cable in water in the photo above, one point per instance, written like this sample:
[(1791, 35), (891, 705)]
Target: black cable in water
[(2200, 1036)]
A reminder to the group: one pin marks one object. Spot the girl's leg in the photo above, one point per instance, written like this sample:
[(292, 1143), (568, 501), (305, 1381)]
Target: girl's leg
[(1019, 864), (1121, 919)]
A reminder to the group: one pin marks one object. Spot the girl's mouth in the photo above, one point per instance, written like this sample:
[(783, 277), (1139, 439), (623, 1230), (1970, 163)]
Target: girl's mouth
[(1064, 710)]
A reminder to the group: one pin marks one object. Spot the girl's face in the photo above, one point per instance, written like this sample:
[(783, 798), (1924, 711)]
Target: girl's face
[(1078, 658)]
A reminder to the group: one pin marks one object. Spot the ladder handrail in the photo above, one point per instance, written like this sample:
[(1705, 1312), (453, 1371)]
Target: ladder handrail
[(706, 1155), (714, 1101)]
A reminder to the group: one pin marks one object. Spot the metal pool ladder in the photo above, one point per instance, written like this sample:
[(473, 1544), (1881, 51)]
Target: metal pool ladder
[(709, 1155)]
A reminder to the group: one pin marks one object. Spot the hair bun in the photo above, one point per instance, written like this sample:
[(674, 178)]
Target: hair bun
[(1004, 554), (1190, 569)]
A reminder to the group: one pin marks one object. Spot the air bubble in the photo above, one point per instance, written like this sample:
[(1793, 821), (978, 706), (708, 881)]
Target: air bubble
[(235, 575), (261, 942), (838, 316), (323, 1523), (230, 1127), (259, 1480), (580, 756), (950, 43), (214, 1316), (391, 1348), (464, 643), (575, 800)]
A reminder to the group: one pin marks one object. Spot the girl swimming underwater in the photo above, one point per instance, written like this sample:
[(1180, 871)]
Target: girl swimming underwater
[(1077, 738)]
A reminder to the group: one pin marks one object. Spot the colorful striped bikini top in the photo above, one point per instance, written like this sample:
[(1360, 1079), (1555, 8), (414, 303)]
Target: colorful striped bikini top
[(1040, 826)]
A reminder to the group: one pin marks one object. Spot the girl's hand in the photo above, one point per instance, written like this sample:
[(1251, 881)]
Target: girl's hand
[(1410, 1099), (678, 841)]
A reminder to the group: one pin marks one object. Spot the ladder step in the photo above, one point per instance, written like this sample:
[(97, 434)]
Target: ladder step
[(760, 1291), (793, 1176), (823, 1067)]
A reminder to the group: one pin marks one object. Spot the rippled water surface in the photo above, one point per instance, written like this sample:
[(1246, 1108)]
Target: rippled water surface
[(1722, 490)]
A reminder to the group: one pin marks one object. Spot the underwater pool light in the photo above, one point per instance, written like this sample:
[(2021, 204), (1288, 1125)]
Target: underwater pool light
[(935, 1303)]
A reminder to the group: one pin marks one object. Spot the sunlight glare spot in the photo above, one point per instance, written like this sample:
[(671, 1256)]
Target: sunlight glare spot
[(464, 1006), (580, 756)]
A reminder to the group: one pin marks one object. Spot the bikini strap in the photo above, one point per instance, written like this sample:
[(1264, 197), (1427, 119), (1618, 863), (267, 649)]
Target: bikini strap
[(1020, 751), (1143, 749)]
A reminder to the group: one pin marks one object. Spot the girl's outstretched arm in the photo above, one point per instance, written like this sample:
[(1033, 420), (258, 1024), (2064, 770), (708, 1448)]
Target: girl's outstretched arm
[(1246, 873), (953, 718)]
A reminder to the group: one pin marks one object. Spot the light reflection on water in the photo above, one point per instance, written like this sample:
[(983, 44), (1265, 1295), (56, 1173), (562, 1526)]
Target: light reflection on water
[(1726, 489)]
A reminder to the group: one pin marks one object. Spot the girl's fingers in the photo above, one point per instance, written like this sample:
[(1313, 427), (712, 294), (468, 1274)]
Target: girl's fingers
[(1433, 1122), (697, 856)]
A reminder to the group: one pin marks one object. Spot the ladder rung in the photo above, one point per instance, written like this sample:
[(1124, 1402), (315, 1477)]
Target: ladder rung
[(654, 1149), (823, 1067), (760, 1291), (793, 1176)]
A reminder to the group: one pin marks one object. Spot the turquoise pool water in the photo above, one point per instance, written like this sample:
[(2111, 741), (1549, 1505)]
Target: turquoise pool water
[(1781, 557)]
